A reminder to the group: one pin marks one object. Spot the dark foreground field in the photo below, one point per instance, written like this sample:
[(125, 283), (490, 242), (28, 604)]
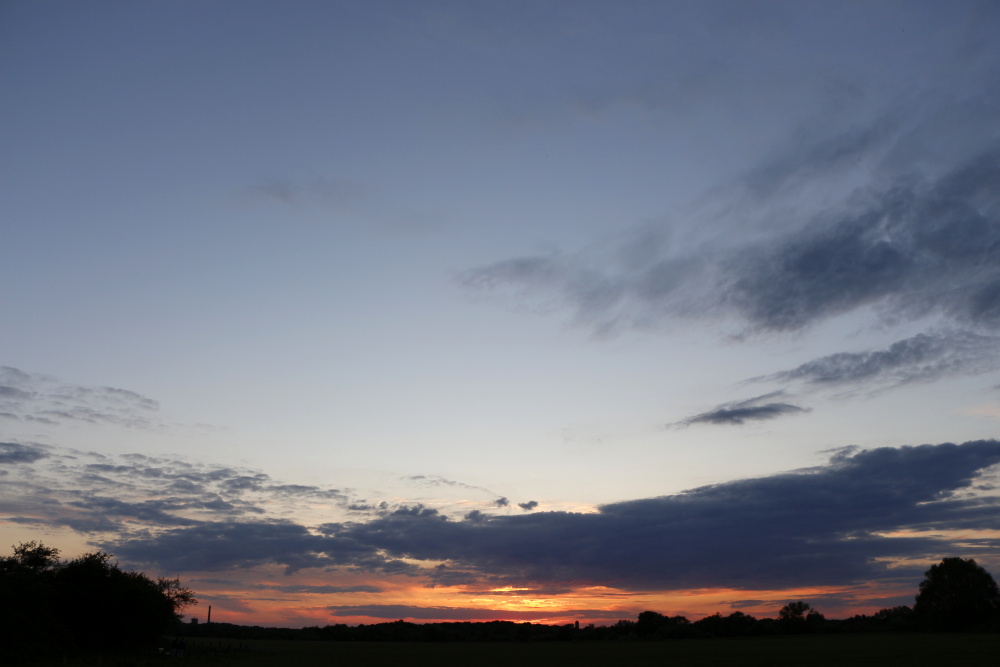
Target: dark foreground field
[(911, 650)]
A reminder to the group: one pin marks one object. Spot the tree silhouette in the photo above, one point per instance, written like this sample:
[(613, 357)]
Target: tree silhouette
[(957, 594), (800, 617), (88, 603), (794, 611)]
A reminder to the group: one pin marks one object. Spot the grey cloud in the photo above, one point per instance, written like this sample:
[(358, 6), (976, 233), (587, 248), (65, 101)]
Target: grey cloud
[(156, 512), (293, 489), (81, 524), (322, 589), (44, 399), (501, 502), (437, 480), (363, 506), (299, 490), (14, 393), (223, 545), (818, 527), (911, 248), (528, 506), (923, 357), (125, 495), (914, 248), (900, 214), (828, 154), (245, 483), (319, 589), (12, 452), (740, 412)]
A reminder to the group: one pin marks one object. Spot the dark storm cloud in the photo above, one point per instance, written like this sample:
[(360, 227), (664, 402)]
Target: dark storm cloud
[(923, 357), (12, 452), (740, 412), (402, 611)]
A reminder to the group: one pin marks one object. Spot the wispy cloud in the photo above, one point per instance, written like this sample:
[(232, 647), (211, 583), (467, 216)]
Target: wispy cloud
[(912, 246), (31, 397), (920, 358), (101, 494), (737, 413), (880, 217)]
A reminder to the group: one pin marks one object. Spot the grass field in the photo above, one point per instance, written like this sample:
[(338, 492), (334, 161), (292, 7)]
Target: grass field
[(910, 650)]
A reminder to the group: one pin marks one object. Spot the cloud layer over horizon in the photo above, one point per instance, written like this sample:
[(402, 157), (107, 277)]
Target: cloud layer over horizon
[(861, 517)]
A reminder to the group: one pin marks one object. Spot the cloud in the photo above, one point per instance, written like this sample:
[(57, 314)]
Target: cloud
[(322, 589), (920, 358), (528, 506), (12, 452), (224, 545), (740, 412), (129, 494), (44, 399), (835, 524), (913, 247), (896, 216), (822, 526)]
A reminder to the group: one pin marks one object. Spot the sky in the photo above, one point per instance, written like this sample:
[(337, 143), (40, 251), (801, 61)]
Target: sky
[(348, 312)]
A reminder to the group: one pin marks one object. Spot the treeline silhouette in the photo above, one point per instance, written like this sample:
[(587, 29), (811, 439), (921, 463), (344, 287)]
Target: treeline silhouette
[(51, 607), (650, 625)]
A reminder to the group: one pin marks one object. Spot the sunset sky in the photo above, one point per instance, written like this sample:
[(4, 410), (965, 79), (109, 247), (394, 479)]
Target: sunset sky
[(346, 312)]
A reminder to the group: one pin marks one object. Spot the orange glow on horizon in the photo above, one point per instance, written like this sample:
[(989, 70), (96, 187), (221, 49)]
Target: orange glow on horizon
[(308, 599), (268, 595)]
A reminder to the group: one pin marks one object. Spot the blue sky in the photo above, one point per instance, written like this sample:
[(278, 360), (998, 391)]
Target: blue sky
[(314, 274)]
